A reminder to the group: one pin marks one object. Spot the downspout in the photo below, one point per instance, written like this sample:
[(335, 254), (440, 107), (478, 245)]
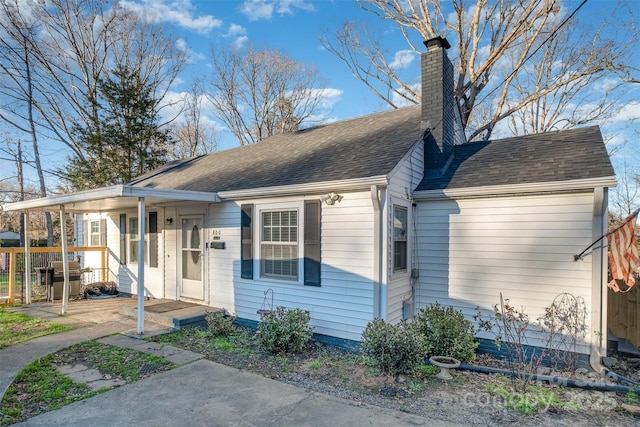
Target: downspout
[(598, 280), (379, 305)]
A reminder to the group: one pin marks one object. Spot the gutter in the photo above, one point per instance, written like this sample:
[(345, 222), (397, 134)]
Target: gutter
[(312, 187), (516, 189)]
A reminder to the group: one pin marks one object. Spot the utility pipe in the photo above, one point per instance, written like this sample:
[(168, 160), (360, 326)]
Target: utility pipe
[(555, 380)]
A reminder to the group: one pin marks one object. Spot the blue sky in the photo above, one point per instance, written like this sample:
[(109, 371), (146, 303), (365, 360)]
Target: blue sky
[(294, 27), (290, 26)]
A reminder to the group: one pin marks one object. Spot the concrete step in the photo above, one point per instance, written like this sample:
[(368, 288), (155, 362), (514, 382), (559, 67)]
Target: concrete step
[(174, 314)]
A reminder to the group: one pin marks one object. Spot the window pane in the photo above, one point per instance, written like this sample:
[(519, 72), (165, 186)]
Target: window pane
[(399, 238), (399, 256), (133, 228), (399, 223), (279, 249), (191, 266), (133, 251)]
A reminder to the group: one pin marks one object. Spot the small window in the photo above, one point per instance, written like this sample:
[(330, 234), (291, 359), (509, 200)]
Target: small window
[(279, 245), (134, 238), (94, 233), (399, 238)]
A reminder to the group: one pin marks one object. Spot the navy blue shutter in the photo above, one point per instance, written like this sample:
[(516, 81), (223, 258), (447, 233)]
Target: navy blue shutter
[(312, 243), (153, 239), (123, 239), (246, 257)]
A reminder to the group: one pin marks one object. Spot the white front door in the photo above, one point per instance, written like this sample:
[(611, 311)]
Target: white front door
[(192, 265)]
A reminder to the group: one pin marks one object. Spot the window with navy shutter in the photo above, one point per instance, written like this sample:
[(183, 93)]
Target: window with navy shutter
[(312, 243), (246, 256), (123, 239), (153, 239)]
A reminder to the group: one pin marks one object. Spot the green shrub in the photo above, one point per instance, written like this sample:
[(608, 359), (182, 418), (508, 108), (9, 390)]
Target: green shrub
[(446, 332), (396, 349), (284, 330), (220, 323)]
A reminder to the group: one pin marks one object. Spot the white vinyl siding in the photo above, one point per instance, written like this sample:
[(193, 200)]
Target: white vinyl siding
[(224, 264), (470, 251), (342, 306), (403, 180), (126, 274)]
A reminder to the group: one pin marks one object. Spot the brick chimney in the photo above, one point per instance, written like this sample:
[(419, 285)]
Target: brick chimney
[(438, 106)]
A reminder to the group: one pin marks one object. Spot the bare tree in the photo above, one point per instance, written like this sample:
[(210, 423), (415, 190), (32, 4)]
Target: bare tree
[(486, 33), (194, 136), (260, 93), (557, 90), (81, 40), (624, 197), (18, 63), (76, 43)]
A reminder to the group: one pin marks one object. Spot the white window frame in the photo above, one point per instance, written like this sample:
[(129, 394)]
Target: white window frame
[(97, 234), (298, 207), (406, 240), (132, 240)]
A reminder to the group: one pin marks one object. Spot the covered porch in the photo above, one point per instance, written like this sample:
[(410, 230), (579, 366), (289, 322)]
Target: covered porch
[(113, 199), (160, 315)]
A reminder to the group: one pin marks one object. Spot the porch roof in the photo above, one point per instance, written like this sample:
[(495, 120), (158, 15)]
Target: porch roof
[(116, 197)]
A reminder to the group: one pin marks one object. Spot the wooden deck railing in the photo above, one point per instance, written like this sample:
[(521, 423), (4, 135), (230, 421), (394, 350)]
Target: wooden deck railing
[(10, 296)]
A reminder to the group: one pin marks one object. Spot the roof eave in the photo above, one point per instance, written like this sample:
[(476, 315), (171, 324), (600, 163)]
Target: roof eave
[(355, 184), (102, 194), (516, 189)]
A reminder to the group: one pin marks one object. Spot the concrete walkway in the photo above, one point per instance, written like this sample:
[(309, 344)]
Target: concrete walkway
[(197, 393)]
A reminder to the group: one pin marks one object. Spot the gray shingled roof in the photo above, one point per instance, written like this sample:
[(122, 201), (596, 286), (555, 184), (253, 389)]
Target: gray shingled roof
[(547, 157), (358, 148), (373, 145)]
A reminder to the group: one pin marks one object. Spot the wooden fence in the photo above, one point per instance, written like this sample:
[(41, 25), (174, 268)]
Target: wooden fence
[(11, 269), (623, 314)]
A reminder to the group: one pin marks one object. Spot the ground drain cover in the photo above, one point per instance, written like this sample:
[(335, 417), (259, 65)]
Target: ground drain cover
[(149, 368)]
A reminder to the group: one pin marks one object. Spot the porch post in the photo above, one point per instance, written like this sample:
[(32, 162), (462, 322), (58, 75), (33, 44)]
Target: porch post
[(141, 257), (27, 259), (65, 259)]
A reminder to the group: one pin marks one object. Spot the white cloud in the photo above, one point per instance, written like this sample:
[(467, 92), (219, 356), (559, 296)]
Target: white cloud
[(178, 12), (192, 55), (288, 6), (239, 42), (238, 32), (329, 96), (235, 29), (401, 101), (256, 10), (628, 113), (402, 59)]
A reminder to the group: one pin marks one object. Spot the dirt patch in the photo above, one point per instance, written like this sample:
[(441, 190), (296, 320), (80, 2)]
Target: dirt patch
[(470, 398)]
